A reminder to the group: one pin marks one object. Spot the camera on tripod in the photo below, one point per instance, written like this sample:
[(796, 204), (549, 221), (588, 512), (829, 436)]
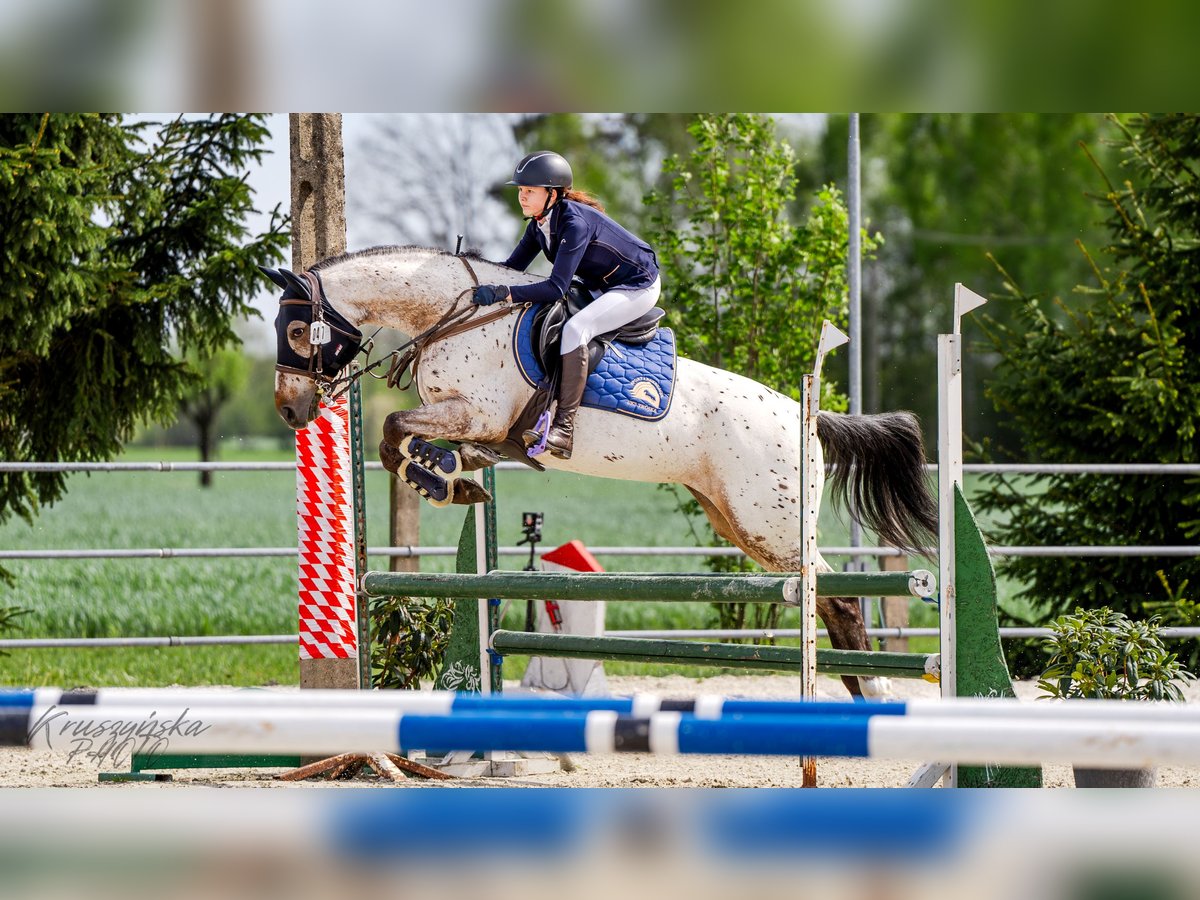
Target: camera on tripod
[(531, 524)]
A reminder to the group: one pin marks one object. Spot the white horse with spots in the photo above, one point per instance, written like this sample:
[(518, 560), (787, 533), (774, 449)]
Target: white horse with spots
[(731, 441)]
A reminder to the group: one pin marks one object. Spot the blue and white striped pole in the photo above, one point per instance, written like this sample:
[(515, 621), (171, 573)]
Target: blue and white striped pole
[(92, 728), (638, 705)]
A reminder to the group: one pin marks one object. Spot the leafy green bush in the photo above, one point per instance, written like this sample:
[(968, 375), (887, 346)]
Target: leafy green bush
[(408, 640), (1101, 654), (1180, 612)]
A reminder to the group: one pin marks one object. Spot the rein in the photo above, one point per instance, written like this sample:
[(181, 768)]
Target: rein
[(407, 356)]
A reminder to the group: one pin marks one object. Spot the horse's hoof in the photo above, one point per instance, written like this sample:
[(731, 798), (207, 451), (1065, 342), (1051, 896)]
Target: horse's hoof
[(433, 488), (475, 457), (442, 462), (875, 687), (467, 491)]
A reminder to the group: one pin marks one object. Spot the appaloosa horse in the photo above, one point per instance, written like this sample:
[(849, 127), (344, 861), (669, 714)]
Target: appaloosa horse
[(731, 441)]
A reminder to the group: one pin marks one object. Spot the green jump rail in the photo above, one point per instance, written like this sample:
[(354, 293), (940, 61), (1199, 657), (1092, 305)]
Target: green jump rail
[(769, 588), (733, 656)]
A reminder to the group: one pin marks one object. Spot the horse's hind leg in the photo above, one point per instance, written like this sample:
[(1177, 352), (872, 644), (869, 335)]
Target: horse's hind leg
[(842, 616), (847, 631)]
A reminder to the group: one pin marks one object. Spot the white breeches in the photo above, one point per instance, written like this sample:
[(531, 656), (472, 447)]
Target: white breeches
[(608, 311)]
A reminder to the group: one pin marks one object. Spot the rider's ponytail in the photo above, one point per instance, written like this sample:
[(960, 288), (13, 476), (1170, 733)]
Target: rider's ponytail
[(585, 198)]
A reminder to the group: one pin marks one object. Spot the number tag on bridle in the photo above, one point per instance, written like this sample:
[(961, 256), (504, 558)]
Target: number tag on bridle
[(318, 333)]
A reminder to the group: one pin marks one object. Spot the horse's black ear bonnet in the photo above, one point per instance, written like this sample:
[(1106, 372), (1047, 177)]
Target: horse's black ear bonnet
[(297, 299)]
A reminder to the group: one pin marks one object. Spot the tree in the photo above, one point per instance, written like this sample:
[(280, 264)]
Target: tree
[(432, 178), (219, 376), (748, 287), (125, 249), (1112, 374), (946, 190), (612, 157)]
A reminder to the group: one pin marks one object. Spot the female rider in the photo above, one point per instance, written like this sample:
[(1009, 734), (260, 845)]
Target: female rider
[(617, 267)]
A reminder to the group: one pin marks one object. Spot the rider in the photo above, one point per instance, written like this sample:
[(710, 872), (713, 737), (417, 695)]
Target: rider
[(618, 268)]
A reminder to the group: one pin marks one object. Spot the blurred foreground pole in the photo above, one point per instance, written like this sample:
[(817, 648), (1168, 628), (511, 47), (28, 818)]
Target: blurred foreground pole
[(220, 55), (854, 269), (319, 231)]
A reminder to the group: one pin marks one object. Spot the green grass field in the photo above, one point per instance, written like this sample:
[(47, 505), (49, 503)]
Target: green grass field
[(140, 597)]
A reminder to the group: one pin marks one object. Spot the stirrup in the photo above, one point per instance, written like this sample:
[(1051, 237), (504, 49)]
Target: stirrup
[(437, 490), (535, 438), (444, 463)]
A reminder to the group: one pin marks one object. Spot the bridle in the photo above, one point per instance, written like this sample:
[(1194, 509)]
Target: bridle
[(320, 335), (325, 320)]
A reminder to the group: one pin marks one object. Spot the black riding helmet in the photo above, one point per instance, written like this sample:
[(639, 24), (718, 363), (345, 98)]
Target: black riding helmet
[(547, 169)]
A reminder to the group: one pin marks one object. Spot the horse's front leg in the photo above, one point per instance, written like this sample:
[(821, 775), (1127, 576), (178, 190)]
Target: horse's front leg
[(431, 470), (454, 419), (437, 490)]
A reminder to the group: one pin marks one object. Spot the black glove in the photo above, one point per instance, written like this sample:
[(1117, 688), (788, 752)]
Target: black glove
[(487, 294)]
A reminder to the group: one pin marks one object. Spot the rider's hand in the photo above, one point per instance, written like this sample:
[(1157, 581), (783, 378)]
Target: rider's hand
[(487, 294)]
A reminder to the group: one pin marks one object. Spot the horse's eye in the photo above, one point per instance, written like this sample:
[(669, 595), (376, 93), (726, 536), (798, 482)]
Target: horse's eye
[(297, 330)]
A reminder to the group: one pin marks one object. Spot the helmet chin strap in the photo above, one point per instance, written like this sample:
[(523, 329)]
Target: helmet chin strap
[(557, 193)]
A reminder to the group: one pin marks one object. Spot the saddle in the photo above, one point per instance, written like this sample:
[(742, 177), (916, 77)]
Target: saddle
[(545, 341), (548, 322)]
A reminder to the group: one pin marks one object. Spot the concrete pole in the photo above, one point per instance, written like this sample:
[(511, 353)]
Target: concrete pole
[(405, 525), (319, 231), (318, 188)]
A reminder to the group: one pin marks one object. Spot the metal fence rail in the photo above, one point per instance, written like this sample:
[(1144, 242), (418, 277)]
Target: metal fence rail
[(683, 634), (409, 551), (204, 640), (976, 468)]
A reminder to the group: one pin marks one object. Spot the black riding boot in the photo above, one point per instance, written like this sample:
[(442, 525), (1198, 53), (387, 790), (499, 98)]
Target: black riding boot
[(570, 391)]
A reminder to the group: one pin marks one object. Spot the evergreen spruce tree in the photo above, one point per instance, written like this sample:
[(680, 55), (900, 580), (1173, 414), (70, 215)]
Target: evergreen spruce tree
[(1112, 374), (125, 248)]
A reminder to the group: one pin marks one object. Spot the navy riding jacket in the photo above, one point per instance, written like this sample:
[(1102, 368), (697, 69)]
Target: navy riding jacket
[(587, 245)]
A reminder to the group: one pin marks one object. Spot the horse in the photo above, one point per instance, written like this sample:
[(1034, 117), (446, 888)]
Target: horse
[(732, 442)]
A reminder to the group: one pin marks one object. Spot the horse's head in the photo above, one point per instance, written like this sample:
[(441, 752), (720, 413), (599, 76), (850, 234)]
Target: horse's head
[(314, 343)]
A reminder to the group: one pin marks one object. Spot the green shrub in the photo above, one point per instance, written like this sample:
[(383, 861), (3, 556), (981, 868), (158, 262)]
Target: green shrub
[(1100, 654), (408, 640)]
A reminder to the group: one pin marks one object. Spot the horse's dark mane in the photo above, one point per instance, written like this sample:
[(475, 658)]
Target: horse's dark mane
[(389, 249)]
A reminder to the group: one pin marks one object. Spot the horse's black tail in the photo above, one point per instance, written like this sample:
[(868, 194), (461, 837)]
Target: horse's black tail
[(879, 467)]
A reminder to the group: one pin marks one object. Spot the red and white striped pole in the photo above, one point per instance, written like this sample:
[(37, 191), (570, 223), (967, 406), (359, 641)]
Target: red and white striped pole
[(325, 506)]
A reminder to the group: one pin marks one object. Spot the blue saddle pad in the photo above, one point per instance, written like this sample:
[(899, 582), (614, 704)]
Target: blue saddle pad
[(634, 380)]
